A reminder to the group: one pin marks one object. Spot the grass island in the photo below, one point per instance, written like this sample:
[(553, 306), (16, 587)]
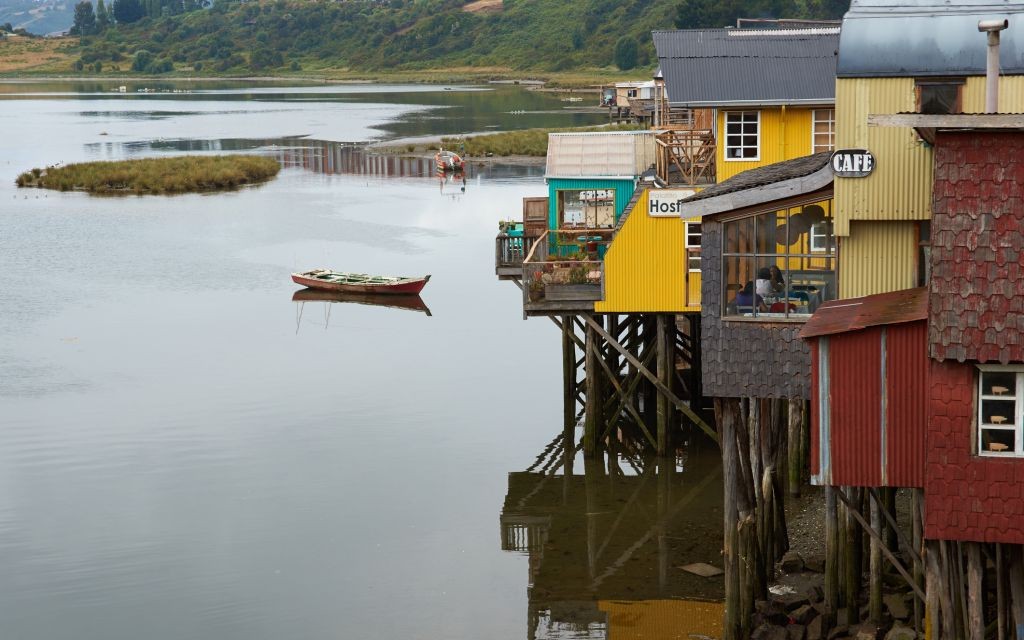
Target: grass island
[(173, 175)]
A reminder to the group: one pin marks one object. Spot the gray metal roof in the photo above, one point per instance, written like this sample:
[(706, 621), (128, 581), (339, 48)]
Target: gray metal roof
[(892, 38), (736, 67)]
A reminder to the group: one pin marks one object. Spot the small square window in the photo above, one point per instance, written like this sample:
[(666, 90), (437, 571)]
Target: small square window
[(940, 96), (742, 135), (1000, 411)]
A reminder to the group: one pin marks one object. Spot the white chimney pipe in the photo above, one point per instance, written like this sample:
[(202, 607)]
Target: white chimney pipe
[(992, 28)]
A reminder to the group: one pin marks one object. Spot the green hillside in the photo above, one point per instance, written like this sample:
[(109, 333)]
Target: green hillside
[(159, 36)]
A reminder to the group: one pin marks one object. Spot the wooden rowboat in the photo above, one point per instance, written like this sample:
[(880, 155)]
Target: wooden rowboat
[(408, 301), (327, 280)]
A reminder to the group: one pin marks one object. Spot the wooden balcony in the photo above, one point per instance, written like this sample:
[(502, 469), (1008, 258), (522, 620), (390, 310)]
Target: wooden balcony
[(510, 249), (564, 271), (686, 157)]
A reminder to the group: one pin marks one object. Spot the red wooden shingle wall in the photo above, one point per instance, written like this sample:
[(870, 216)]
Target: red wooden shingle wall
[(967, 497), (976, 296)]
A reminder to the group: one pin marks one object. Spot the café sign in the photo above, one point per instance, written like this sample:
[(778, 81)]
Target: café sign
[(852, 163), (665, 203)]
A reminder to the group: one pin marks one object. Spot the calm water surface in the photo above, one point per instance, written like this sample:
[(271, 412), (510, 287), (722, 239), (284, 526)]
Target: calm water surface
[(186, 452)]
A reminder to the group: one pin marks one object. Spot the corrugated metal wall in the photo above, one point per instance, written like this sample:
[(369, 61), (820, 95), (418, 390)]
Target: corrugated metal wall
[(623, 194), (645, 267), (877, 257), (907, 403), (900, 187), (782, 138), (855, 363), (854, 403), (1011, 94)]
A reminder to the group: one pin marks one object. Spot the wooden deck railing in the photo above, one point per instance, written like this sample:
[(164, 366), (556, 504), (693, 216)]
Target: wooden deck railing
[(565, 265), (510, 251), (689, 152)]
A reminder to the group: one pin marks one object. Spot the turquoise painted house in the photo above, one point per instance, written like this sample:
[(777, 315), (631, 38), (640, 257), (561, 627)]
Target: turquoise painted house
[(591, 178)]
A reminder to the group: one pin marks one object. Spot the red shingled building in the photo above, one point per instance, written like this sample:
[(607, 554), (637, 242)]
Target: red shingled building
[(974, 488)]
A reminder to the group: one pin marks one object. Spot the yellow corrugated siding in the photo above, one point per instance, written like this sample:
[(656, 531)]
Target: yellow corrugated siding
[(900, 187), (782, 138), (645, 266), (663, 619), (1011, 94), (878, 257)]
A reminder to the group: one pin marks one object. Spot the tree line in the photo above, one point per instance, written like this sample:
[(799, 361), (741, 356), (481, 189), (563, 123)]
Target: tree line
[(239, 36)]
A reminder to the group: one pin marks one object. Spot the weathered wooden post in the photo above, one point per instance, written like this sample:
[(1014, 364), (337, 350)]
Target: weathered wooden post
[(568, 374), (875, 572), (727, 416), (975, 597), (831, 558), (593, 413), (795, 412), (666, 364)]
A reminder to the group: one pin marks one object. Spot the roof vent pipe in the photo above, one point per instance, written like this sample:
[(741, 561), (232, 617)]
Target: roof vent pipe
[(992, 28)]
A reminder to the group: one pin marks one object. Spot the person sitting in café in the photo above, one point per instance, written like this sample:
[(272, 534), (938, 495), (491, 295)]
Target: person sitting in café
[(765, 285), (775, 275), (746, 300)]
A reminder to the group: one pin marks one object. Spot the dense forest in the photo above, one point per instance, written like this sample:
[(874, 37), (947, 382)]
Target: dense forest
[(237, 36)]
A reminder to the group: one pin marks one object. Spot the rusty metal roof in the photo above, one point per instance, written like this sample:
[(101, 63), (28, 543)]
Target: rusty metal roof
[(854, 314)]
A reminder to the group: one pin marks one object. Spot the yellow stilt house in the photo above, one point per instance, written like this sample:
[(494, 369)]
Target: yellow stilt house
[(765, 96)]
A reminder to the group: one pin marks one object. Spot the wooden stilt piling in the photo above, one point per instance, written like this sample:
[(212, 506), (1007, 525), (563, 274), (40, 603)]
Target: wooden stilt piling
[(831, 558), (795, 415), (593, 418), (875, 573), (975, 597)]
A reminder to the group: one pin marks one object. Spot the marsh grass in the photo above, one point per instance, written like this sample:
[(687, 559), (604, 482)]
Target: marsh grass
[(177, 174), (528, 142)]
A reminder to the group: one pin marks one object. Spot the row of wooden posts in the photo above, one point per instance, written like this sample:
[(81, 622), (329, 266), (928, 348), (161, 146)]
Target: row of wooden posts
[(642, 372)]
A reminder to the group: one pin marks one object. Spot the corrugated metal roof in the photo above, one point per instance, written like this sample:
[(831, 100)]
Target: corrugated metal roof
[(927, 37), (854, 314), (724, 67), (609, 154)]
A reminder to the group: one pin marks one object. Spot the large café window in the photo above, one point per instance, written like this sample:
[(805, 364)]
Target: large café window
[(586, 208), (779, 264)]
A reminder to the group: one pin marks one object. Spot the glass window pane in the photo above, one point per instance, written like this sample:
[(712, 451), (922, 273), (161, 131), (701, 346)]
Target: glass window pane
[(998, 440), (1000, 413), (738, 287), (999, 383)]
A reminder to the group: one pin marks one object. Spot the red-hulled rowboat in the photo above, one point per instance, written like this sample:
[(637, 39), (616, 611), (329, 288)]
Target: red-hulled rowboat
[(327, 280), (448, 161)]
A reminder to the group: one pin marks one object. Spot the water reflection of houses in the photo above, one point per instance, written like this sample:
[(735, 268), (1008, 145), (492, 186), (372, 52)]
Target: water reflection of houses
[(605, 546)]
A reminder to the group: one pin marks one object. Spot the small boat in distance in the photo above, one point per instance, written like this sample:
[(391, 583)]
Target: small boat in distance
[(327, 280), (448, 161)]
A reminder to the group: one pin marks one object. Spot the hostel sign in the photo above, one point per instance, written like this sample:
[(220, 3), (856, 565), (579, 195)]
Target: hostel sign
[(852, 163), (664, 203)]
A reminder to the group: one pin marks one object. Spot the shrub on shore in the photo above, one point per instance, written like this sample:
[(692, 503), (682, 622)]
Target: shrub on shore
[(177, 174), (528, 142)]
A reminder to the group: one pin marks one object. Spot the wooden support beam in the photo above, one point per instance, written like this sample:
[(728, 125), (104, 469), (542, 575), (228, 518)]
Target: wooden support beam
[(888, 554), (900, 536), (795, 464), (568, 377), (629, 407), (917, 535), (665, 367), (728, 417), (831, 558), (689, 413), (975, 597), (1016, 576), (592, 418), (626, 397), (875, 572)]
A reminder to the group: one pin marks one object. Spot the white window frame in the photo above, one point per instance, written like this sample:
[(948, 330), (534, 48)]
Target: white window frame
[(725, 136), (692, 250), (831, 129), (820, 248), (1018, 409)]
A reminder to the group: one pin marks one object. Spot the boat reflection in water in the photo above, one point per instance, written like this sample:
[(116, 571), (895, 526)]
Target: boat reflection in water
[(606, 546), (405, 301)]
